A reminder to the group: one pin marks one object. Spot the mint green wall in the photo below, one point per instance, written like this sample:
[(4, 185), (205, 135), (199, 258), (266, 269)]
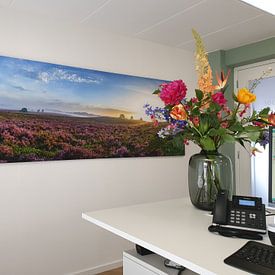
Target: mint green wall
[(229, 59), (251, 53)]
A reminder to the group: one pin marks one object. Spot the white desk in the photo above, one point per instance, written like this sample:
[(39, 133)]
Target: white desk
[(174, 229)]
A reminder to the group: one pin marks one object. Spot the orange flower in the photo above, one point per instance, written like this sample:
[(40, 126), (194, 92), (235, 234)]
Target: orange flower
[(178, 112), (271, 119), (254, 150), (221, 81), (205, 81), (202, 66), (244, 96)]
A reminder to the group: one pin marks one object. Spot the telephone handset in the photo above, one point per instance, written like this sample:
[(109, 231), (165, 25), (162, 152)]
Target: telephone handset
[(245, 213)]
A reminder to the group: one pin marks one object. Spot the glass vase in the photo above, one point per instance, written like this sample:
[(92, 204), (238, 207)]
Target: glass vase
[(209, 172)]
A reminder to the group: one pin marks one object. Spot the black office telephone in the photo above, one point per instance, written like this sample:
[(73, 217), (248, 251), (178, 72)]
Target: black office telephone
[(243, 217)]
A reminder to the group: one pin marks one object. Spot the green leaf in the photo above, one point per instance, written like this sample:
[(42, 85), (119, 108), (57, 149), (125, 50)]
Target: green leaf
[(264, 112), (204, 124), (216, 132), (254, 115), (218, 107), (235, 97), (212, 107), (241, 142), (236, 127), (262, 121), (156, 92), (214, 121), (207, 143), (250, 136), (199, 94), (212, 132), (196, 112), (253, 136), (223, 90), (251, 128), (168, 107), (228, 138)]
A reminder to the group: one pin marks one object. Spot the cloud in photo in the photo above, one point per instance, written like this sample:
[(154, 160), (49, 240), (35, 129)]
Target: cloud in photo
[(63, 74), (19, 88)]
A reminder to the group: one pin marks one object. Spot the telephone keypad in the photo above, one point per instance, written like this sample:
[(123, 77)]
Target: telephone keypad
[(246, 219)]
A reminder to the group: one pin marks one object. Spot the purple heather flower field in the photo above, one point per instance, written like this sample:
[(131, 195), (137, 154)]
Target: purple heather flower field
[(38, 137)]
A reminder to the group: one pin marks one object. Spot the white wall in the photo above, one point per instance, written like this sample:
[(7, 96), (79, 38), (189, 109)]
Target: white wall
[(41, 230)]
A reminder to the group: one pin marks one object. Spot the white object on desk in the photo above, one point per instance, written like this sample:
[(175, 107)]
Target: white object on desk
[(174, 229)]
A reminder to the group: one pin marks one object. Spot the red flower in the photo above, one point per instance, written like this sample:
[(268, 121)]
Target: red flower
[(154, 120), (259, 124), (246, 107), (226, 110), (224, 124), (219, 98), (271, 119), (156, 123), (219, 115), (196, 121), (173, 93), (186, 142)]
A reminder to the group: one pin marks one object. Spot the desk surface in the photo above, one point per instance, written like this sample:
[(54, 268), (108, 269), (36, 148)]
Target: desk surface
[(174, 229)]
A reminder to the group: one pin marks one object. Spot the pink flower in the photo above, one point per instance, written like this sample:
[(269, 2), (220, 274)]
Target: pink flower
[(194, 100), (219, 98), (186, 107), (196, 121), (173, 93), (259, 124), (156, 123), (224, 124), (226, 110), (154, 120), (244, 110)]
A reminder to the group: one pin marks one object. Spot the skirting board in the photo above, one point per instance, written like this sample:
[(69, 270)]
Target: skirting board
[(98, 269)]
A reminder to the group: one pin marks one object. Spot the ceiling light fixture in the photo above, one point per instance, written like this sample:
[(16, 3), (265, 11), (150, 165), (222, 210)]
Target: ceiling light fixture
[(266, 5)]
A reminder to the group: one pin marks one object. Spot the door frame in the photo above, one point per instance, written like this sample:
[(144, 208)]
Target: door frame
[(238, 185)]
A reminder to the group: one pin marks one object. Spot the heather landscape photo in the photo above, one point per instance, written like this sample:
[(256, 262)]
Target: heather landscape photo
[(56, 112)]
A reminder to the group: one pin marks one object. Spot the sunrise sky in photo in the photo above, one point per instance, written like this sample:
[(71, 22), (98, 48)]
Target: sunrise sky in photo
[(38, 85)]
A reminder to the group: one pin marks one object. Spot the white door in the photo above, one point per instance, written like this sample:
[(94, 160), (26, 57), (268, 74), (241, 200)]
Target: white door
[(252, 172)]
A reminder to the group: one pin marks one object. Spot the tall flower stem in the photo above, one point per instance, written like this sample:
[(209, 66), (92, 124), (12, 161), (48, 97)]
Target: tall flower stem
[(236, 110), (209, 180), (210, 184)]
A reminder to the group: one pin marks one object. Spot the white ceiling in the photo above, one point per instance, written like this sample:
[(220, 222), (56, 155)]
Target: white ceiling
[(223, 24)]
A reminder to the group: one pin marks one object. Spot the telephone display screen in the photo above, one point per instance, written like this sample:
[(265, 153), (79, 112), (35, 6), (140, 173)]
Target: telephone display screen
[(246, 203)]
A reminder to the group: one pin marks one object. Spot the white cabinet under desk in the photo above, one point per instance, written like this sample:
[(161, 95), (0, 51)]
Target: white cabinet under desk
[(135, 264), (173, 229)]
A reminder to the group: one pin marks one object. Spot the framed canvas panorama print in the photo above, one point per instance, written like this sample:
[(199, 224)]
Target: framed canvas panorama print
[(56, 112)]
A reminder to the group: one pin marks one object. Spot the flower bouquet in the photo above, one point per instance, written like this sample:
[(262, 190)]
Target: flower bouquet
[(207, 120)]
